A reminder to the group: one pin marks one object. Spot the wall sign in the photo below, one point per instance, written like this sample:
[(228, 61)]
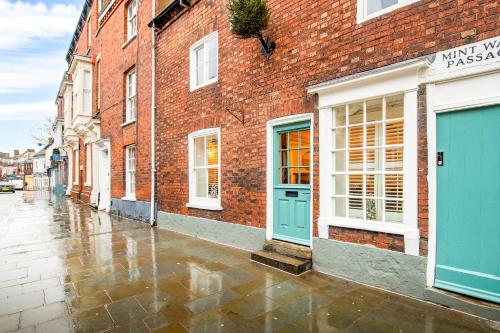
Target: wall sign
[(470, 55)]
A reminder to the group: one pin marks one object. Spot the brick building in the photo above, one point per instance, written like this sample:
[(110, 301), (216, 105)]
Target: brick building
[(337, 141), (107, 107)]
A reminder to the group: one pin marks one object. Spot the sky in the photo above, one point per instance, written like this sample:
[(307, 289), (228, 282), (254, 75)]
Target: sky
[(34, 39)]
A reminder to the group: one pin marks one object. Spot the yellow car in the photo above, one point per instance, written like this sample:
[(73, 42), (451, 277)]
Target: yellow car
[(9, 188)]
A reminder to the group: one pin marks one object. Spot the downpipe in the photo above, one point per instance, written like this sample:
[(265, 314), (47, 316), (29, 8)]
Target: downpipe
[(153, 117)]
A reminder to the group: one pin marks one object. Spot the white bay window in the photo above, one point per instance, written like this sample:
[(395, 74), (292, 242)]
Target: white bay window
[(367, 154), (204, 169)]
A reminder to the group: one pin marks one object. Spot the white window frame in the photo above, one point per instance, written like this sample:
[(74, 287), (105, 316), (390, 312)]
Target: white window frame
[(362, 9), (132, 19), (88, 164), (203, 43), (99, 6), (194, 201), (131, 100), (87, 92), (130, 174)]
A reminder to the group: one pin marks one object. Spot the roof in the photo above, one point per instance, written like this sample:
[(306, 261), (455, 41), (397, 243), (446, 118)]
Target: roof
[(78, 30), (40, 153)]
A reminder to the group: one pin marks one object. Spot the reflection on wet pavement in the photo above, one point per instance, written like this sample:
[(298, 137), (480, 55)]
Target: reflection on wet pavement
[(67, 268)]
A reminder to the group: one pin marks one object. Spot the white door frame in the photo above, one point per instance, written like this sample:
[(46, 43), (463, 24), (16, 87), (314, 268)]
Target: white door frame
[(104, 146), (271, 124), (435, 105)]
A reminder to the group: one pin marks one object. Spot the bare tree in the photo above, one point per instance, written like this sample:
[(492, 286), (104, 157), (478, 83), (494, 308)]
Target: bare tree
[(44, 134)]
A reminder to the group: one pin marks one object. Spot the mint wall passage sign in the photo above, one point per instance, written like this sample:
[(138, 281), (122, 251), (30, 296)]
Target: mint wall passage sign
[(470, 55)]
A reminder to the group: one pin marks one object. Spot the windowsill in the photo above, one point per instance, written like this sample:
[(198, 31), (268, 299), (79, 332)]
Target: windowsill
[(129, 197), (87, 184), (204, 206), (362, 19), (397, 228), (129, 41), (208, 83), (128, 122)]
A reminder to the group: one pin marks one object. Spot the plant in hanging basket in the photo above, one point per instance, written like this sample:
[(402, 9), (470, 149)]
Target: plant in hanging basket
[(248, 19)]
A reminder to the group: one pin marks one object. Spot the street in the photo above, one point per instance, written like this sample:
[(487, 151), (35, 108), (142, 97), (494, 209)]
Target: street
[(67, 268)]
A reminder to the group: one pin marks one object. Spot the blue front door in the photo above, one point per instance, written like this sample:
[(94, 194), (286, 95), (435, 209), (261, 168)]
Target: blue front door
[(468, 202), (291, 185)]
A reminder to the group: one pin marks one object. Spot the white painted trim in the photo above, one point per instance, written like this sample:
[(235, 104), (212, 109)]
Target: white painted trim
[(433, 109), (192, 61), (400, 80), (128, 122), (431, 184), (124, 45), (129, 198), (203, 203), (270, 167), (363, 17)]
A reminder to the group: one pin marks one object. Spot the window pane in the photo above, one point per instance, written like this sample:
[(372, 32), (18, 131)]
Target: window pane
[(340, 184), (394, 186), (293, 157), (339, 137), (356, 208), (294, 139), (212, 59), (374, 159), (394, 107), (339, 204), (304, 176), (374, 110), (212, 150), (305, 139), (394, 159), (374, 186), (373, 209), (356, 160), (374, 135), (356, 137), (305, 157), (394, 211), (199, 152), (283, 175), (356, 185), (213, 183), (394, 133), (356, 113), (339, 116), (294, 175), (339, 161), (374, 6), (284, 158), (201, 182), (200, 69), (284, 141)]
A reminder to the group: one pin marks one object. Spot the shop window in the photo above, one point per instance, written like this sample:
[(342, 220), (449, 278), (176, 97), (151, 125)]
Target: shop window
[(204, 61), (204, 164), (368, 152)]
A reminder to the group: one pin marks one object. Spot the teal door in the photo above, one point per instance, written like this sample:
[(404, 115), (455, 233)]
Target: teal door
[(468, 202), (292, 189)]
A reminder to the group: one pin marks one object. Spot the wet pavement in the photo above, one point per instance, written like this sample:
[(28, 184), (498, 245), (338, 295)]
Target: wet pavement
[(67, 268)]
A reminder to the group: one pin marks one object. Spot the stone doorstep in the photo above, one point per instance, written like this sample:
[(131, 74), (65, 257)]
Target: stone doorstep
[(285, 263), (288, 249)]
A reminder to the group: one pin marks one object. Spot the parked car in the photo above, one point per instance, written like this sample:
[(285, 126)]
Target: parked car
[(7, 187)]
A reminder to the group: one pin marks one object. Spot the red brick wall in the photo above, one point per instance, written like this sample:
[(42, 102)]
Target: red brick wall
[(316, 41), (107, 46)]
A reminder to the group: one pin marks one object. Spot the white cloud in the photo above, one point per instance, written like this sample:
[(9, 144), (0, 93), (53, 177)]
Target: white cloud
[(28, 72), (22, 23), (27, 111)]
